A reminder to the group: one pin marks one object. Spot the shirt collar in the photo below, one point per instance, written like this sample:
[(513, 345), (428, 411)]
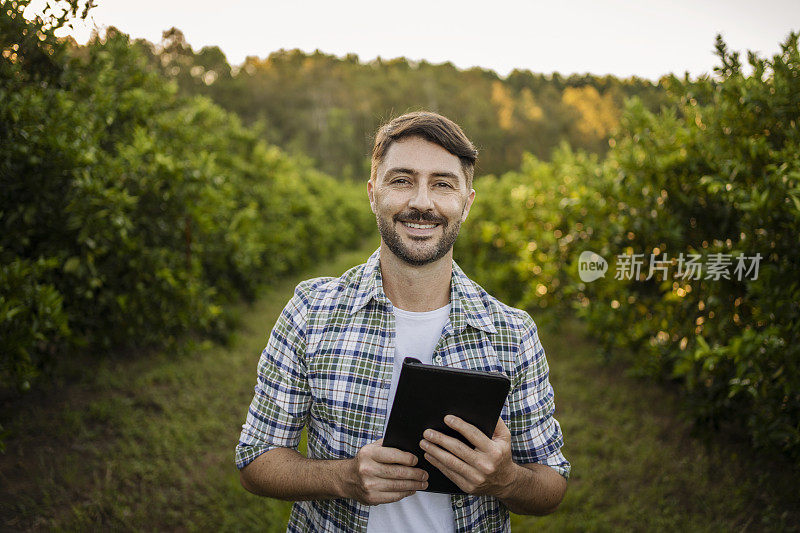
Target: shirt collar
[(466, 304)]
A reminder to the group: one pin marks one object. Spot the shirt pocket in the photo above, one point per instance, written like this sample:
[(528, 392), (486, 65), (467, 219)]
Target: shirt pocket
[(471, 349)]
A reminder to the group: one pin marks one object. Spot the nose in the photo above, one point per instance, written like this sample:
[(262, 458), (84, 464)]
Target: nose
[(421, 198)]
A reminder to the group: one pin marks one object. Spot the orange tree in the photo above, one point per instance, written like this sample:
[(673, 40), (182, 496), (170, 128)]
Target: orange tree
[(130, 214), (713, 179)]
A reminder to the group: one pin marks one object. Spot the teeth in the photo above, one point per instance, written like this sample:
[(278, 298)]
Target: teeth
[(419, 226)]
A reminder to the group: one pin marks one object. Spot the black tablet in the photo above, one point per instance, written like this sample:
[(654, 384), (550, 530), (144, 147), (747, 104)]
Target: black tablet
[(426, 394)]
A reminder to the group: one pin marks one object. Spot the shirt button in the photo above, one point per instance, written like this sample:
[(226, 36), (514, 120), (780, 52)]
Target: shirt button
[(437, 360), (460, 503)]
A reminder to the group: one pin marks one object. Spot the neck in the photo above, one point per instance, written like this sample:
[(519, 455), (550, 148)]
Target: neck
[(416, 288)]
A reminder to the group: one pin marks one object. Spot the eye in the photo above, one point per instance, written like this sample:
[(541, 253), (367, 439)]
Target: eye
[(444, 184), (399, 181)]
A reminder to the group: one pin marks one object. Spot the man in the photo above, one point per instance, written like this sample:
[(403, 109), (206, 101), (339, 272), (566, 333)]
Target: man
[(333, 359)]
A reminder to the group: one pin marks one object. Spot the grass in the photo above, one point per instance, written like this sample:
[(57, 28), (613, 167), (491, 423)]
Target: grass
[(147, 443), (638, 465)]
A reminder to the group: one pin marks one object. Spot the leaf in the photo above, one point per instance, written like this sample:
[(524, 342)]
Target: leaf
[(71, 265)]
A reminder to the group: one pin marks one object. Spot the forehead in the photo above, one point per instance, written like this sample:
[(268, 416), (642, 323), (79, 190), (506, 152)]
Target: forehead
[(422, 156)]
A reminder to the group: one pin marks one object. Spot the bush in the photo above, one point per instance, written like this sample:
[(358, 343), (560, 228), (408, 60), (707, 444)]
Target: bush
[(32, 321), (716, 176), (131, 215)]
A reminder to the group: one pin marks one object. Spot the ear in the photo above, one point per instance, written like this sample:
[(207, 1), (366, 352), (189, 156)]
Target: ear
[(467, 205), (371, 195)]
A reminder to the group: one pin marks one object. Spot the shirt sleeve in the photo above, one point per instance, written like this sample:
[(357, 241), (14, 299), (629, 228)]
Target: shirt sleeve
[(281, 402), (535, 434)]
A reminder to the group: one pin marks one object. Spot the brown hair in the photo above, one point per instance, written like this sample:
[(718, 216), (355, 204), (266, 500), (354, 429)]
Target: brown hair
[(433, 128)]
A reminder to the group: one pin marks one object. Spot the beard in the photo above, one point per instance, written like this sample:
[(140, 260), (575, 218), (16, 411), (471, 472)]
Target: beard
[(423, 256)]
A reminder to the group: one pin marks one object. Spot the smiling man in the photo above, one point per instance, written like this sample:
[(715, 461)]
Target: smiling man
[(423, 194), (333, 361)]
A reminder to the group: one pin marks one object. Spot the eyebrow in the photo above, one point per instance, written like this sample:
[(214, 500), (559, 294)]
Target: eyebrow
[(402, 170)]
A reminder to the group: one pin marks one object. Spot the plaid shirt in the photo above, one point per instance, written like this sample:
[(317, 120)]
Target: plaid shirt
[(328, 365)]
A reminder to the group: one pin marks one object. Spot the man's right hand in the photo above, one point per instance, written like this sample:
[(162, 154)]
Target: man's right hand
[(382, 475)]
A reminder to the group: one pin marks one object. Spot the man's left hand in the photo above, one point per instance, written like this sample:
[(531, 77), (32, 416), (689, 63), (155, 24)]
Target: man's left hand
[(485, 470)]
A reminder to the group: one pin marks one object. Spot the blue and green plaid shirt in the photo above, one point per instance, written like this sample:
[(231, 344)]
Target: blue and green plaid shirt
[(328, 366)]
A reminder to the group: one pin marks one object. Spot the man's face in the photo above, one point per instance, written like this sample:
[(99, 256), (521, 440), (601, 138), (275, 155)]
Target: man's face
[(420, 198)]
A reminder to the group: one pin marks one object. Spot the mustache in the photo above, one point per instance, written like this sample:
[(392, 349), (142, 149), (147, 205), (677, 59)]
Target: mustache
[(415, 215)]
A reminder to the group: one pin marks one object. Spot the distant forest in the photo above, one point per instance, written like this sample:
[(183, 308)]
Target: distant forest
[(327, 108)]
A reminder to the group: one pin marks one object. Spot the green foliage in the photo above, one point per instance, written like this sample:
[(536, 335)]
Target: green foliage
[(32, 321), (718, 176), (131, 214), (328, 108), (525, 227), (30, 50)]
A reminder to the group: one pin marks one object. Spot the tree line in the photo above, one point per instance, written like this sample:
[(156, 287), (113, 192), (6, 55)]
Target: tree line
[(327, 107)]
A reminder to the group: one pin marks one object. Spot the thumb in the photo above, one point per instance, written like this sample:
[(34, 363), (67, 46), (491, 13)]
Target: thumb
[(501, 431)]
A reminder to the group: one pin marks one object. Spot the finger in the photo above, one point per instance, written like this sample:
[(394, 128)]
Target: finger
[(470, 432), (391, 497), (452, 445), (450, 461), (388, 471), (396, 485), (501, 431), (393, 456), (452, 475)]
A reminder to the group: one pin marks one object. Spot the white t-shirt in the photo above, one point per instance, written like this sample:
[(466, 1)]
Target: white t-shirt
[(417, 335)]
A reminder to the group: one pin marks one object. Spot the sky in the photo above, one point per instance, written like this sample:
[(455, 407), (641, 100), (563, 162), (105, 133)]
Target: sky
[(623, 38)]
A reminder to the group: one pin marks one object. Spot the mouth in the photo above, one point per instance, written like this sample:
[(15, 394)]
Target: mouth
[(419, 230), (416, 225)]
